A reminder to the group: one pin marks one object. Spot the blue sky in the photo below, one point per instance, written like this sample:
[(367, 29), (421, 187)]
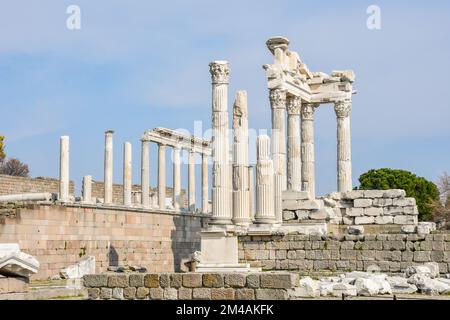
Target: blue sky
[(136, 65)]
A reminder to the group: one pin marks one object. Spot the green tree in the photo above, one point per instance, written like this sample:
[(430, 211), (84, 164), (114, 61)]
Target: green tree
[(2, 152), (424, 191)]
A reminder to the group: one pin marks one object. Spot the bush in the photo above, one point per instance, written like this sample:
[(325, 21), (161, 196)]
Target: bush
[(14, 167), (424, 191)]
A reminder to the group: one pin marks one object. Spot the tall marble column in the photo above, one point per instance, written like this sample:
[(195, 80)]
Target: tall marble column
[(221, 185), (86, 190), (265, 211), (176, 179), (307, 148), (162, 176), (205, 201), (127, 175), (191, 180), (294, 166), (64, 168), (344, 164), (278, 105), (251, 193), (241, 194), (108, 166), (145, 174)]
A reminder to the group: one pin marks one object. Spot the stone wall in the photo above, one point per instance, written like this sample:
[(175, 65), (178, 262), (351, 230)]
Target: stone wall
[(14, 185), (186, 286), (356, 207), (59, 235), (389, 252)]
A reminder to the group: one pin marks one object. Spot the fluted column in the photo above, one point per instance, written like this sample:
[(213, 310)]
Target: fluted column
[(162, 176), (64, 169), (86, 190), (221, 185), (145, 174), (176, 179), (205, 202), (191, 180), (251, 193), (241, 196), (127, 175), (265, 212), (294, 166), (108, 166), (278, 105), (344, 164), (307, 148)]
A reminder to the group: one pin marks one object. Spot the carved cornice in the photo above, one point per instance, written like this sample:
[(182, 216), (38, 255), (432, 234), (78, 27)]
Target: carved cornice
[(307, 110), (277, 98), (294, 104), (343, 108), (220, 71)]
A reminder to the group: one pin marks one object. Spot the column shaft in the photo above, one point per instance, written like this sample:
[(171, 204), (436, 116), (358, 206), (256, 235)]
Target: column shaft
[(127, 174), (176, 179), (162, 176), (205, 201), (87, 189), (108, 166), (294, 145), (307, 149), (145, 174), (278, 105), (191, 180), (64, 169), (344, 165), (251, 187)]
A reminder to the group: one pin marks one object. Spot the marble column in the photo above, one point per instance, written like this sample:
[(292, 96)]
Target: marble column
[(294, 166), (221, 185), (278, 106), (251, 193), (162, 176), (241, 194), (176, 178), (344, 164), (64, 168), (127, 174), (108, 166), (307, 148), (205, 201), (86, 190), (278, 197), (191, 180), (145, 174), (265, 212)]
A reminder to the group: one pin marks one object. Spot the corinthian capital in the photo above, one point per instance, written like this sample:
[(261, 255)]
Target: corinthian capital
[(294, 104), (342, 108), (220, 71), (277, 98), (307, 110)]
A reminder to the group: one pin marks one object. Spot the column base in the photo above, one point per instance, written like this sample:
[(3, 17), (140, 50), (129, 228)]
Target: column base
[(218, 267), (220, 221)]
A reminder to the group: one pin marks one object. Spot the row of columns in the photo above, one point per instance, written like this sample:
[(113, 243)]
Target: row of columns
[(145, 176), (298, 171)]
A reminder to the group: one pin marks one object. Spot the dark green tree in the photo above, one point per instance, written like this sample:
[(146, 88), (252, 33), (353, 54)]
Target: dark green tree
[(2, 151), (424, 191)]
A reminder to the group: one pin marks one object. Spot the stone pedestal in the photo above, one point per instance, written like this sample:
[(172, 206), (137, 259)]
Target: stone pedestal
[(344, 164)]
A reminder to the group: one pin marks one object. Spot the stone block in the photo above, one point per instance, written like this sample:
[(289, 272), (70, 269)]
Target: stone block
[(176, 280), (120, 281), (411, 210), (405, 219), (142, 292), (245, 294), (364, 220), (129, 293), (353, 194), (222, 294), (289, 215), (156, 293), (201, 293), (409, 228), (321, 214), (384, 220), (136, 280), (394, 193), (348, 220), (271, 294), (302, 214), (235, 280), (392, 210), (362, 203), (309, 204), (105, 293), (213, 280), (253, 280), (422, 256), (93, 293), (117, 293), (374, 193), (354, 212), (170, 294), (295, 195), (151, 280), (278, 280), (382, 202), (164, 280), (95, 280), (403, 202), (184, 294), (192, 280), (373, 211)]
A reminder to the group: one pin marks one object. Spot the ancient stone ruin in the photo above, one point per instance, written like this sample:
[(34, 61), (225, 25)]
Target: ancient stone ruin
[(255, 238)]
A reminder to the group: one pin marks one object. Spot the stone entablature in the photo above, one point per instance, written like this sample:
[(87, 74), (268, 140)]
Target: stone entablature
[(187, 286), (356, 207)]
